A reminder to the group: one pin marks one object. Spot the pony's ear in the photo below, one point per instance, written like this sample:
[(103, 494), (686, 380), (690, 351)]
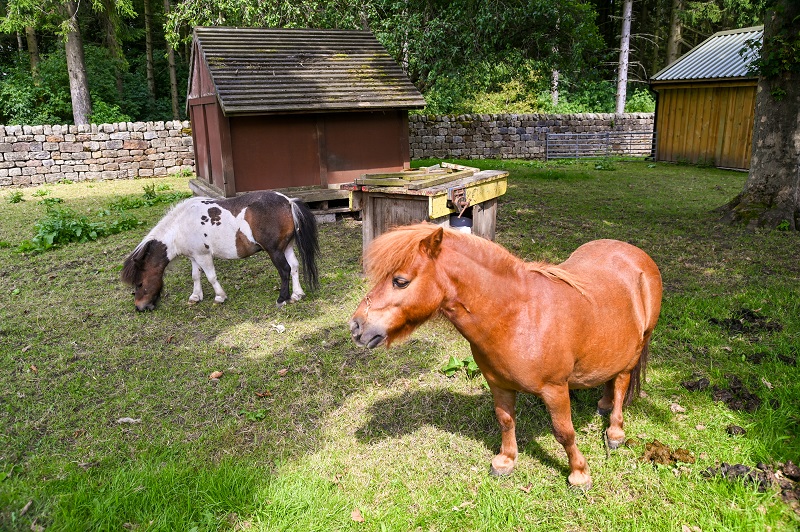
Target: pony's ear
[(134, 263), (432, 244)]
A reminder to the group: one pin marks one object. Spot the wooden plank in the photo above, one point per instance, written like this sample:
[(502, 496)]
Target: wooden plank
[(417, 185), (484, 219)]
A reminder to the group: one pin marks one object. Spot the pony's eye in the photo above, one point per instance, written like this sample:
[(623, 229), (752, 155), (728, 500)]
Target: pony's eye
[(400, 282)]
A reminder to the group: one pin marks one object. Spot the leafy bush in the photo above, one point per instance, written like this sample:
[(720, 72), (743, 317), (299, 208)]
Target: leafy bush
[(641, 101), (148, 199), (15, 197), (62, 225)]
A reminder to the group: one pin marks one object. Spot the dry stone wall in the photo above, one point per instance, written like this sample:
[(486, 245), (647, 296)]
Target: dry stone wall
[(31, 155), (507, 136)]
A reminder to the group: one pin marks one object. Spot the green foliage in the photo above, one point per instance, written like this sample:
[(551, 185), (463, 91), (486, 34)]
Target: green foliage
[(50, 202), (62, 225), (606, 163), (149, 198), (641, 101), (454, 365), (15, 196)]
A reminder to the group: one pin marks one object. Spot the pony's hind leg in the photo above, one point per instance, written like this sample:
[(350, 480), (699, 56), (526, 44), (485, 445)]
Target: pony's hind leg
[(606, 403), (197, 291), (206, 263), (297, 290), (281, 263), (614, 433)]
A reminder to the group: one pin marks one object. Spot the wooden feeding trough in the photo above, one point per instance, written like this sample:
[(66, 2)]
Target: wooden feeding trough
[(446, 194)]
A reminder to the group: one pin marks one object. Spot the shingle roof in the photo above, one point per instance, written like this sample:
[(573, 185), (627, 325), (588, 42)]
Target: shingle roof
[(263, 71), (725, 54)]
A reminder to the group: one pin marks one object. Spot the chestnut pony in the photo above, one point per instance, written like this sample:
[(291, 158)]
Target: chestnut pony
[(233, 228), (533, 327)]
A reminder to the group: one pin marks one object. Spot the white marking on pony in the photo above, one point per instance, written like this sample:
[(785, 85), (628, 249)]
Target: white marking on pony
[(297, 290), (187, 229)]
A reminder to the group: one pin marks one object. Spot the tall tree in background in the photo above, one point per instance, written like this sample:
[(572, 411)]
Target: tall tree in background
[(771, 195), (624, 52), (33, 52), (675, 32), (148, 29), (76, 65), (173, 78)]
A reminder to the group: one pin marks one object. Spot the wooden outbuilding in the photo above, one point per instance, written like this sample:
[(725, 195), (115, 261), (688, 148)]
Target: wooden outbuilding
[(283, 108), (706, 102)]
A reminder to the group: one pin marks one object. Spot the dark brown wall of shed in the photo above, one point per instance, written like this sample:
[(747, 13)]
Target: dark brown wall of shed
[(368, 142), (201, 84), (709, 123), (274, 151), (211, 144)]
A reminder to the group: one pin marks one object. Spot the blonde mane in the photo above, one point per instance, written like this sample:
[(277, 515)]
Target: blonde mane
[(394, 250), (554, 273)]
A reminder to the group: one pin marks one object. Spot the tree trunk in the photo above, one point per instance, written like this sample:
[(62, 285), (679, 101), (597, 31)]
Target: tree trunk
[(148, 39), (76, 67), (771, 195), (33, 52), (554, 88), (675, 28), (110, 21), (173, 78), (624, 51)]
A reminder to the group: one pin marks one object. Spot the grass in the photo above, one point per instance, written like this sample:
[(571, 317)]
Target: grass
[(305, 431)]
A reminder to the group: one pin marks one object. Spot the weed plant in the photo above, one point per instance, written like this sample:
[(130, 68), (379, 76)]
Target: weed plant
[(109, 419)]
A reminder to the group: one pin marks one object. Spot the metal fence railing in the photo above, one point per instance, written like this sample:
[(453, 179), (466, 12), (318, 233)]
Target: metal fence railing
[(606, 144)]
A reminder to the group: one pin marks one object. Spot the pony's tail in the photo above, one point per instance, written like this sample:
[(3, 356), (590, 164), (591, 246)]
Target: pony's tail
[(305, 235), (638, 374)]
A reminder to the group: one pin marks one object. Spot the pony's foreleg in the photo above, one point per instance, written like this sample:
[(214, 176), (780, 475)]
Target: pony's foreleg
[(556, 399), (197, 291), (297, 290), (504, 408), (206, 263)]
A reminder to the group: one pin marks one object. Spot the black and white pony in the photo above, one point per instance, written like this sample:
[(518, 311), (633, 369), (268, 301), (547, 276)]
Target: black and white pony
[(233, 228)]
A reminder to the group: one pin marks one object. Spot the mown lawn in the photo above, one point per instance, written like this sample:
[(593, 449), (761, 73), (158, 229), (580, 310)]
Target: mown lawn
[(305, 431)]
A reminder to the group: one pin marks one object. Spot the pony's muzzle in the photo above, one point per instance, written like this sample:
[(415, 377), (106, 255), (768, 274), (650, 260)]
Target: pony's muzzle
[(365, 336), (145, 308)]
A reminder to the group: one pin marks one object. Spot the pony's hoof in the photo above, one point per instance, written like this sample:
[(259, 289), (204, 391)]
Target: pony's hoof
[(580, 481), (603, 411), (499, 472), (613, 443), (280, 304), (581, 487), (193, 301), (504, 466), (220, 299), (296, 297)]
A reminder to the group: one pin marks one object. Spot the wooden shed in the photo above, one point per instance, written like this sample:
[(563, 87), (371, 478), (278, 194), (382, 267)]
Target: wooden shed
[(280, 108), (706, 102)]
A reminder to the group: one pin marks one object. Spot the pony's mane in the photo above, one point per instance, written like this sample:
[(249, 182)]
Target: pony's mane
[(555, 273), (394, 250)]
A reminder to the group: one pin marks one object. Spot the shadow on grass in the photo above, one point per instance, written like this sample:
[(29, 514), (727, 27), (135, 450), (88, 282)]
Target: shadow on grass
[(472, 416)]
